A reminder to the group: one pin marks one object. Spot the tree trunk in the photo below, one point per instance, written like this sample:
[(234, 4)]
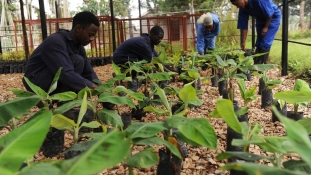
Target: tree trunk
[(301, 20), (192, 21), (26, 47), (130, 22)]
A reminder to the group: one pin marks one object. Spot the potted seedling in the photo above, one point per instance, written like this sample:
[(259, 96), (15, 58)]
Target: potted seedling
[(61, 122), (177, 123), (281, 106), (296, 97), (265, 83), (229, 73), (296, 142), (47, 100), (210, 61), (191, 72)]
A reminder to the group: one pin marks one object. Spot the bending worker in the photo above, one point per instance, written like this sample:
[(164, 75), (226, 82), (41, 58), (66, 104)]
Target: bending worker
[(268, 18), (208, 27)]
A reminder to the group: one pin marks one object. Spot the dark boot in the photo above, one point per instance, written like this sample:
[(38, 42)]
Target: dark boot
[(257, 59), (265, 57)]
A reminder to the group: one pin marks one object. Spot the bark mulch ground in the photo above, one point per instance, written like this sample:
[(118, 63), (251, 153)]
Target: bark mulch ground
[(201, 160)]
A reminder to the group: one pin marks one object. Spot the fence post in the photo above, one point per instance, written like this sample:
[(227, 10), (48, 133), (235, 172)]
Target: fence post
[(43, 20), (185, 31), (285, 38), (0, 46)]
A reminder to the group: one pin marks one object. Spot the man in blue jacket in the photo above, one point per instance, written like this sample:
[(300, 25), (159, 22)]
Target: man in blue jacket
[(139, 48), (65, 49), (268, 18), (208, 27)]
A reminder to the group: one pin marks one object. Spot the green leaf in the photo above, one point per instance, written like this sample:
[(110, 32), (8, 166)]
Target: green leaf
[(143, 159), (187, 93), (193, 73), (110, 117), (161, 94), (83, 109), (92, 124), (262, 67), (36, 89), (242, 155), (226, 111), (21, 93), (53, 85), (297, 165), (155, 110), (65, 107), (16, 107), (258, 169), (301, 85), (214, 114), (145, 130), (84, 146), (197, 130), (61, 122), (159, 76), (22, 143), (157, 141), (116, 100), (116, 69), (297, 135), (64, 96), (306, 123), (276, 144), (293, 97), (40, 168), (105, 153), (221, 62), (136, 95)]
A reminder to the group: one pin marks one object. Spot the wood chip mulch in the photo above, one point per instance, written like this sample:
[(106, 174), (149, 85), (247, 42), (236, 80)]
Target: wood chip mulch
[(201, 160)]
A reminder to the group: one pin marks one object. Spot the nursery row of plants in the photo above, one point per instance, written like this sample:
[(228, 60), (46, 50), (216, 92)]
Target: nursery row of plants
[(18, 66), (115, 137)]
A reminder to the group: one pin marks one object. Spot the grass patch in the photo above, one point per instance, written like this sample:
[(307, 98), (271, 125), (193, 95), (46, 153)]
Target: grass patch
[(299, 56)]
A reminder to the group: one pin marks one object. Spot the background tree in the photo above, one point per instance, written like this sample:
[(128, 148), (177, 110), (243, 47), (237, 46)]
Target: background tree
[(120, 7)]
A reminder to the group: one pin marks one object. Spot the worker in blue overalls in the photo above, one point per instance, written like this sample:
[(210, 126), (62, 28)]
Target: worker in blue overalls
[(268, 18), (208, 27)]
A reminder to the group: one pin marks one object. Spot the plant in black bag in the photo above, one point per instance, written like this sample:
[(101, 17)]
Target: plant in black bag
[(296, 97), (266, 92), (297, 141)]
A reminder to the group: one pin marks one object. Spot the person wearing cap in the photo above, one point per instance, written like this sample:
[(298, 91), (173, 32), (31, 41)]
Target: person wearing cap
[(268, 18), (208, 27)]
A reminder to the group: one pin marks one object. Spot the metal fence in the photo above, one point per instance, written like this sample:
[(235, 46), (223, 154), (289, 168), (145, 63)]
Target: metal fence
[(179, 31)]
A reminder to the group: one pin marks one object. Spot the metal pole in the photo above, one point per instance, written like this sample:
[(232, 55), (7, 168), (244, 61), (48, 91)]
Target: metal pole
[(113, 27), (56, 14), (253, 32), (0, 46), (43, 19), (140, 25), (285, 38)]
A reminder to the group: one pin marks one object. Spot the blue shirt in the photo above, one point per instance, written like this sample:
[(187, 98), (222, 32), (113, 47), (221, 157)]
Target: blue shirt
[(135, 49), (261, 10), (202, 34), (54, 53)]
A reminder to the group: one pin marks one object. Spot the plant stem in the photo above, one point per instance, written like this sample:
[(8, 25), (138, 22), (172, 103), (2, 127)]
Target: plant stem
[(131, 172), (76, 134), (14, 123)]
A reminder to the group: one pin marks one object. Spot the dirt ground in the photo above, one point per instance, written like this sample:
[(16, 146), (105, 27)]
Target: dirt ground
[(201, 160)]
